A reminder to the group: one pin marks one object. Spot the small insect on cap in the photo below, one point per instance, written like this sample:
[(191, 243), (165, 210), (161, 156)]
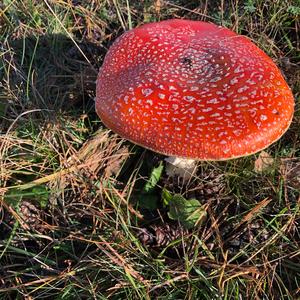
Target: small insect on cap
[(193, 89)]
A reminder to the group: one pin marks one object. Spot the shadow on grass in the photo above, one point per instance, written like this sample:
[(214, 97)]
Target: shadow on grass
[(51, 74)]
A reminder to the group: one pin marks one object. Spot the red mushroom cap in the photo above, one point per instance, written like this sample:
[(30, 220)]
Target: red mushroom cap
[(193, 89)]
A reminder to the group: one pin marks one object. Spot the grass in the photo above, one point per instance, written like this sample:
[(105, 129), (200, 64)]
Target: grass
[(81, 213)]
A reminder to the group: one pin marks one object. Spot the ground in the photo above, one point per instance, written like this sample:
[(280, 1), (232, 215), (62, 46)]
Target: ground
[(85, 214)]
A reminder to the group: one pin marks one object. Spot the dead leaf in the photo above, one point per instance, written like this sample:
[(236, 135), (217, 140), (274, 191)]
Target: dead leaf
[(256, 209), (157, 6), (264, 162)]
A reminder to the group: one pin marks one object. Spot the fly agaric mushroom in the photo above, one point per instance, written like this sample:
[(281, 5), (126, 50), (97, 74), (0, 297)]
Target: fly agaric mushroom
[(193, 89)]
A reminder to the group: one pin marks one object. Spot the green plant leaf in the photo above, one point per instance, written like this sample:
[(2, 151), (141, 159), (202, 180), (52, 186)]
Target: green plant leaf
[(294, 10), (154, 178), (187, 212), (148, 197), (166, 197)]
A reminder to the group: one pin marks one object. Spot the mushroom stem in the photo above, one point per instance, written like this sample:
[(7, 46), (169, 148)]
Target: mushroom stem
[(181, 167)]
